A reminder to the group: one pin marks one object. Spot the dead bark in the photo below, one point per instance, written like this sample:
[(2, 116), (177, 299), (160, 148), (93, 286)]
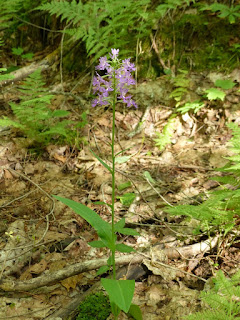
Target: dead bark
[(192, 250)]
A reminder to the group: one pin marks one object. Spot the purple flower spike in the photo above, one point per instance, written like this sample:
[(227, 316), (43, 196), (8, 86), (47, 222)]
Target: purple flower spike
[(118, 73)]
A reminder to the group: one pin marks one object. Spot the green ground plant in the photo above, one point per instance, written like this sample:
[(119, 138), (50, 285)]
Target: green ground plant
[(129, 24), (20, 53), (216, 93), (221, 301), (164, 138), (104, 24), (112, 88), (4, 76), (181, 89), (33, 115), (181, 86), (13, 11), (94, 307), (221, 208), (232, 13)]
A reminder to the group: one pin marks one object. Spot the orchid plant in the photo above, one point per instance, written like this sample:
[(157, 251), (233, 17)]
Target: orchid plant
[(111, 88)]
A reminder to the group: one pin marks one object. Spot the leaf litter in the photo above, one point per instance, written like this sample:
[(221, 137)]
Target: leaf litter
[(42, 236)]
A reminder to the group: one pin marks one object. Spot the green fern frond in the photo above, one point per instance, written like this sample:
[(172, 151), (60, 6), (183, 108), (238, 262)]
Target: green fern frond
[(164, 138), (230, 180), (33, 115), (222, 207), (222, 299), (5, 122), (71, 11), (58, 129), (5, 76), (218, 210), (104, 24), (208, 315), (8, 10)]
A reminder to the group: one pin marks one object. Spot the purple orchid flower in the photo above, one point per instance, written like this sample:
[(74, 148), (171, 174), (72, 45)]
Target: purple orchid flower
[(121, 72)]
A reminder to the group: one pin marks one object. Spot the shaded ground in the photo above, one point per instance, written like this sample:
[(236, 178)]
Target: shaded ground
[(40, 235)]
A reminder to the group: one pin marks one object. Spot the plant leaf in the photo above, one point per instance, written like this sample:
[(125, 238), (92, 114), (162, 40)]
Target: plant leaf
[(103, 203), (127, 198), (97, 244), (122, 159), (124, 185), (148, 176), (128, 231), (102, 227), (101, 161), (225, 84), (120, 292), (102, 270), (214, 94), (135, 312), (119, 225), (17, 51), (124, 248)]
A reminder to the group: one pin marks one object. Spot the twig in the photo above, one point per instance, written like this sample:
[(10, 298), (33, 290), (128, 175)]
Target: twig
[(158, 193)]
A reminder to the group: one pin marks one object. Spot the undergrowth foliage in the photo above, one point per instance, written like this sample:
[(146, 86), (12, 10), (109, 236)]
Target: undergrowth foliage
[(222, 301), (104, 23), (95, 306), (221, 209), (33, 116), (129, 24)]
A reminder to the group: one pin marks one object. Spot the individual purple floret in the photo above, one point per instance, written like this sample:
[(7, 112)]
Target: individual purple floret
[(116, 72), (114, 54), (103, 64)]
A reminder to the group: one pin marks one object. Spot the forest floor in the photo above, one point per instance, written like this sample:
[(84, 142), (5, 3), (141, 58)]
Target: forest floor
[(41, 239)]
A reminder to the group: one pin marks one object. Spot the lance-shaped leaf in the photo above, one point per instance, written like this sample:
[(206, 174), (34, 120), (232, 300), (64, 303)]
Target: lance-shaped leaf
[(119, 227), (124, 248), (102, 270), (101, 161), (102, 227)]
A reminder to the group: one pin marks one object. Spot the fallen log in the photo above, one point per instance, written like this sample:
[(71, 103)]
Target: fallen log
[(49, 278), (44, 64)]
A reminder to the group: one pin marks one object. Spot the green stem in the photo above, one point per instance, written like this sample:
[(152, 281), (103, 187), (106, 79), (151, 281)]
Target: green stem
[(113, 175)]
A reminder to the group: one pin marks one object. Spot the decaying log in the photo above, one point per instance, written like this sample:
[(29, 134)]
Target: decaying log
[(192, 250), (49, 278), (22, 73), (44, 64)]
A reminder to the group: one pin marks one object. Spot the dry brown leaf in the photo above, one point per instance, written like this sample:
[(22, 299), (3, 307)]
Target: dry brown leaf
[(29, 168), (39, 267), (7, 174), (71, 282), (35, 269), (54, 235), (104, 121), (59, 157), (26, 275), (77, 248), (57, 265)]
